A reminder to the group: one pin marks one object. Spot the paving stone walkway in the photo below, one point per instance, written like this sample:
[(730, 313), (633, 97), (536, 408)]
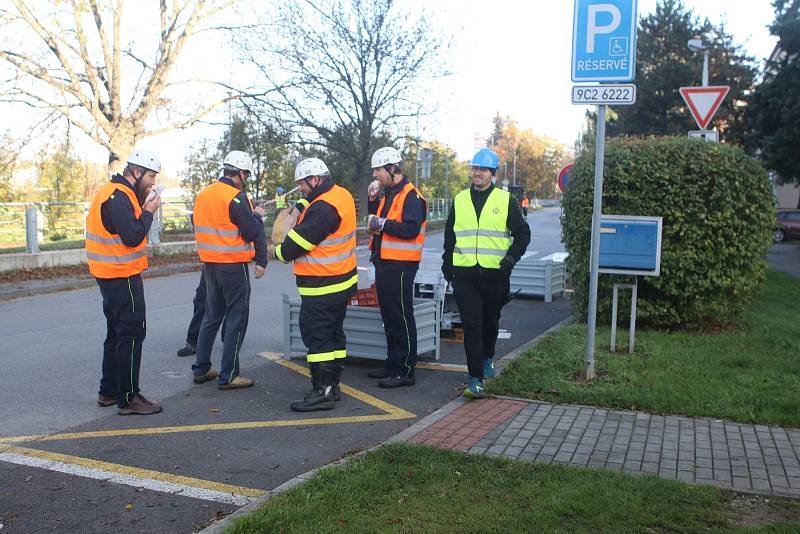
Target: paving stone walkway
[(749, 458)]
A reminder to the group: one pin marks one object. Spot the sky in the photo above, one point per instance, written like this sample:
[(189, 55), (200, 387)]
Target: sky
[(507, 56)]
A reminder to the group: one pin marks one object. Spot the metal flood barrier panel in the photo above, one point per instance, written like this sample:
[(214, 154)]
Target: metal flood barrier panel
[(363, 328), (538, 279)]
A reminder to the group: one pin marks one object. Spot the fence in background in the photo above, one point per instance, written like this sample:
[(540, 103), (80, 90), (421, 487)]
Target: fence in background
[(31, 226)]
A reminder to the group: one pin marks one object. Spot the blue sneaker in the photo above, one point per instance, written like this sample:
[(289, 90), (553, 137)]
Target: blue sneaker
[(475, 389), (488, 368)]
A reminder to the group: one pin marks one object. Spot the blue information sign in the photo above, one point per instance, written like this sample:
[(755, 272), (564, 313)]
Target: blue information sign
[(604, 41)]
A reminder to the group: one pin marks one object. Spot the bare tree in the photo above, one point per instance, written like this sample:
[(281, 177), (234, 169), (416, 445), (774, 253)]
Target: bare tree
[(339, 72), (70, 58)]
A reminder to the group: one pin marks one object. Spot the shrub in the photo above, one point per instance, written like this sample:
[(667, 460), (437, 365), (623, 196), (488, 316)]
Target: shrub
[(718, 212)]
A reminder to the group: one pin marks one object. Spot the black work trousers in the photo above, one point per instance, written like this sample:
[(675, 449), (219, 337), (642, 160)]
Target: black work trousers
[(123, 306), (322, 327), (198, 313), (228, 299), (479, 303), (396, 298)]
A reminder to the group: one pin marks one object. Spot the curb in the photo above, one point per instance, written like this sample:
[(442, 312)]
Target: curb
[(82, 283), (404, 435)]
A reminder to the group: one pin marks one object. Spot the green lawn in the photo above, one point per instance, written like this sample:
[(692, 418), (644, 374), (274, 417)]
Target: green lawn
[(405, 488), (51, 245), (749, 374)]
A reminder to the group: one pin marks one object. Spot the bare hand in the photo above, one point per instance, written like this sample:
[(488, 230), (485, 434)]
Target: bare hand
[(373, 189), (260, 271), (152, 205), (260, 211)]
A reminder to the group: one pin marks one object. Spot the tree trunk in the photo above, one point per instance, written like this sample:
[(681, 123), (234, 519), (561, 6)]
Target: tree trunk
[(122, 144)]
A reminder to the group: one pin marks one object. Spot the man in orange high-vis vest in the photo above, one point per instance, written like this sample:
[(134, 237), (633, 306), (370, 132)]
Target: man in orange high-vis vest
[(229, 235), (116, 251), (323, 248), (397, 224)]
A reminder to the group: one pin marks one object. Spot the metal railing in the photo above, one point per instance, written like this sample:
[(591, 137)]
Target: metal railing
[(31, 226)]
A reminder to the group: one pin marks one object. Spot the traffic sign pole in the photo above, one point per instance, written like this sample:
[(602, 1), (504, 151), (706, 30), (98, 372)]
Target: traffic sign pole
[(594, 262)]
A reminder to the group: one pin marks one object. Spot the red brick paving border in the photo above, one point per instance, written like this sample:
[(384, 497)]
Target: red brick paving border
[(467, 425)]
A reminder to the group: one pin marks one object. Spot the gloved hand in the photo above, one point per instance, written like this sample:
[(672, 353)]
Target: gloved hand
[(375, 224), (373, 189), (447, 271), (506, 264)]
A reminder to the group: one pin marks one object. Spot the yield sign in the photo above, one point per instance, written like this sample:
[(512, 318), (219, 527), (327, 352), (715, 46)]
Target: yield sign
[(704, 102)]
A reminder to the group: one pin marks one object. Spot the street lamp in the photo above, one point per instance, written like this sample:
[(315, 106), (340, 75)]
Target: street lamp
[(698, 45)]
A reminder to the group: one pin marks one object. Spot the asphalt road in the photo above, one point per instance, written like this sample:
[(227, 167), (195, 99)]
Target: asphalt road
[(209, 450)]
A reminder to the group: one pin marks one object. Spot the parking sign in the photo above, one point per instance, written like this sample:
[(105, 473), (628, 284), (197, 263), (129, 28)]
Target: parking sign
[(604, 41)]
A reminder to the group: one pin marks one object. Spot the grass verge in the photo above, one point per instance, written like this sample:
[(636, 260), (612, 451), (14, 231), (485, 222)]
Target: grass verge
[(750, 374), (406, 488)]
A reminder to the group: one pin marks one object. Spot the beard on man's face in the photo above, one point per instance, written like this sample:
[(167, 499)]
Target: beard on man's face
[(141, 192)]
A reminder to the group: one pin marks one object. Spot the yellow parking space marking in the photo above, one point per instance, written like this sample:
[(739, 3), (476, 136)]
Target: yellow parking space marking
[(443, 367), (131, 476), (355, 393), (391, 413)]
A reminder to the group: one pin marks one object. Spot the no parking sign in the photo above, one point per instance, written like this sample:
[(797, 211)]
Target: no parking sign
[(563, 177)]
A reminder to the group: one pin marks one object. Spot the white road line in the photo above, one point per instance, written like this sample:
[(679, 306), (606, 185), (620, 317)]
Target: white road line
[(128, 480)]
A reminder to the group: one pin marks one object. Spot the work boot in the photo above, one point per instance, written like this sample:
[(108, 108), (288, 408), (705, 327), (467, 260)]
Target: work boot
[(188, 350), (381, 372), (104, 401), (396, 381), (337, 393), (211, 374), (238, 382), (140, 406), (488, 368), (320, 397)]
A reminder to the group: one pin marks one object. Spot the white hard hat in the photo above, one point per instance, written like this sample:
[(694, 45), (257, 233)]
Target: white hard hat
[(239, 160), (145, 159), (385, 156), (310, 167)]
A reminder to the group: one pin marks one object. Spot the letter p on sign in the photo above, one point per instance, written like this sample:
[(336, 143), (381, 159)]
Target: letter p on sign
[(593, 28)]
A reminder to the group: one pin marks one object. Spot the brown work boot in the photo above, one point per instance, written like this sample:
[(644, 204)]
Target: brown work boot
[(104, 401), (239, 382), (140, 406), (211, 374)]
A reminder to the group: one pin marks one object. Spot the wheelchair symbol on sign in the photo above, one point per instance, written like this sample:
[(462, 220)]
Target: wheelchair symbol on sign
[(617, 46)]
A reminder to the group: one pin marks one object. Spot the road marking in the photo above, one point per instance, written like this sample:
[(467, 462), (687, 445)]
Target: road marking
[(131, 476), (390, 409), (391, 413), (442, 367)]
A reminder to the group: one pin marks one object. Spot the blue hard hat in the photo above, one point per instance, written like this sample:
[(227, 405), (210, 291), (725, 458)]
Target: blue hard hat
[(280, 189), (485, 158)]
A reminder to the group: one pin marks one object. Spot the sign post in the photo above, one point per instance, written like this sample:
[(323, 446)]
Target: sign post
[(603, 50)]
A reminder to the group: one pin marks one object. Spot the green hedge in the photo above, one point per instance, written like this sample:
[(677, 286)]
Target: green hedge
[(718, 210)]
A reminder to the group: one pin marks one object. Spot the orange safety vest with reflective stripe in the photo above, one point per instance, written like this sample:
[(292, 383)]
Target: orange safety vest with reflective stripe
[(336, 254), (394, 248), (218, 238), (106, 254)]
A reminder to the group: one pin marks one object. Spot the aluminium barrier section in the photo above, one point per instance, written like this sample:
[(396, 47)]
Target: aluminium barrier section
[(363, 328)]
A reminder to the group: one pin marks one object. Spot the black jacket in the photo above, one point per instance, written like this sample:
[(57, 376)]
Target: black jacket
[(119, 218), (415, 212), (517, 226)]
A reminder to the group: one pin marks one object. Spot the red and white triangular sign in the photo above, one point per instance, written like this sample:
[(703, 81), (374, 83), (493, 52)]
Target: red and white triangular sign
[(704, 102)]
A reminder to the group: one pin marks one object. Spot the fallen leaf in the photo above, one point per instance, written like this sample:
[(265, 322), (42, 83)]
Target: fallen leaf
[(213, 410), (129, 506), (28, 479), (341, 522)]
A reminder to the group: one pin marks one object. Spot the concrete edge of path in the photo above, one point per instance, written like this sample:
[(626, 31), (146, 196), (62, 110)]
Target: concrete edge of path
[(404, 435), (81, 283)]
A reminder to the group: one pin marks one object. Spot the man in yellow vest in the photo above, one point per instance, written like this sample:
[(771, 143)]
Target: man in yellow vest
[(116, 251), (229, 235), (484, 237), (280, 199), (397, 223), (323, 248)]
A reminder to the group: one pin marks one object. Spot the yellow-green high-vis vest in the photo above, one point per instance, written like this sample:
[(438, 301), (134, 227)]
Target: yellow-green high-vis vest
[(481, 242)]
